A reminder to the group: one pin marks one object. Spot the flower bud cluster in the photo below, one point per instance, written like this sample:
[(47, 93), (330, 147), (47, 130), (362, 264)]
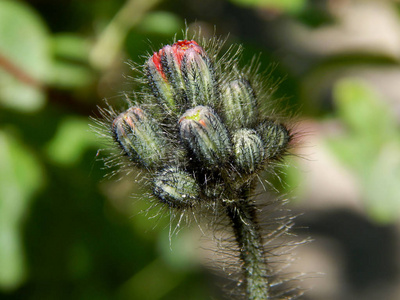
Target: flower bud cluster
[(201, 125)]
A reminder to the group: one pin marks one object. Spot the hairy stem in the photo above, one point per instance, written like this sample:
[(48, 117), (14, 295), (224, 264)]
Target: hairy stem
[(243, 217)]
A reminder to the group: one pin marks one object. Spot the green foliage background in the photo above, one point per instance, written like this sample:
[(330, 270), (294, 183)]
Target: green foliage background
[(67, 232)]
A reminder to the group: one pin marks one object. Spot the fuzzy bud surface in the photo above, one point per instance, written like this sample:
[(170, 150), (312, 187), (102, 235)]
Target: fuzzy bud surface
[(139, 137), (175, 187), (240, 104), (181, 75), (275, 138), (248, 150), (205, 135)]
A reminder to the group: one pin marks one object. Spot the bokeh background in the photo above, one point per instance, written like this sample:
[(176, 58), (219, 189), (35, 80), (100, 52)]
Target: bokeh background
[(69, 232)]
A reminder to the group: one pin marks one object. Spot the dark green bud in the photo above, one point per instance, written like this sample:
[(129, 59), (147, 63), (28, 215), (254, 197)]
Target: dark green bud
[(248, 150), (176, 188), (275, 138), (205, 135), (240, 104), (140, 138)]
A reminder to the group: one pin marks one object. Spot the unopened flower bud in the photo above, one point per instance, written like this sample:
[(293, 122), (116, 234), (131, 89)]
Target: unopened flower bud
[(180, 75), (139, 137), (275, 138), (248, 150), (199, 75), (240, 104), (176, 188), (205, 135), (160, 87)]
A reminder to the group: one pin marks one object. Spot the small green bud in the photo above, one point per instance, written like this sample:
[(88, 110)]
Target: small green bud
[(248, 150), (139, 137), (275, 138), (162, 90), (205, 135), (240, 104), (176, 188), (199, 75)]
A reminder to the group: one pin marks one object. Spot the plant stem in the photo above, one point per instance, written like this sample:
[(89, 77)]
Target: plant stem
[(111, 40), (242, 214)]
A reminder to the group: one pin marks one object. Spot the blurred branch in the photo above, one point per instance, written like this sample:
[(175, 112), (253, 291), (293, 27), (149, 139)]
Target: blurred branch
[(111, 40), (17, 72)]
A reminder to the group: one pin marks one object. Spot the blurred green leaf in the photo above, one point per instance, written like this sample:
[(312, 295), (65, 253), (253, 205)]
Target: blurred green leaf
[(292, 6), (152, 282), (179, 250), (72, 139), (371, 146), (24, 56), (293, 179), (71, 46), (382, 188), (111, 40), (70, 68), (70, 76), (161, 22), (20, 177), (363, 111)]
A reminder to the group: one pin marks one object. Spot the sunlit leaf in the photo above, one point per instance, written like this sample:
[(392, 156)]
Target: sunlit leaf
[(362, 110), (24, 57), (370, 146)]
